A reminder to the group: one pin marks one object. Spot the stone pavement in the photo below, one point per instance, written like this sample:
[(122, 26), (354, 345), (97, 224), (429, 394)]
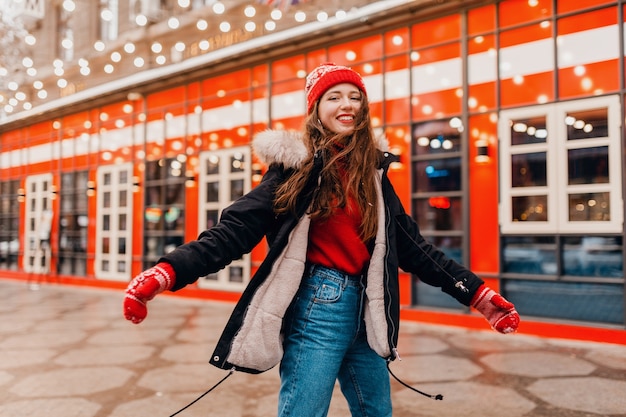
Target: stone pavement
[(67, 352)]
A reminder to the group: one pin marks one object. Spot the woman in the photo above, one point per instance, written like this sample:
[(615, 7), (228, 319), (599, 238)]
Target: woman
[(325, 301)]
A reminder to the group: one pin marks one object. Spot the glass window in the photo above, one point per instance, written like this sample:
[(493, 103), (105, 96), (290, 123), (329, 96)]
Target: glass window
[(73, 224), (529, 170), (529, 208), (584, 301), (165, 206), (437, 203), (536, 255), (586, 124), (10, 196), (565, 168), (593, 256), (226, 176), (113, 232)]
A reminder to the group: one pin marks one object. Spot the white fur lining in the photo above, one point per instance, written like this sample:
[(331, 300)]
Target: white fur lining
[(258, 344)]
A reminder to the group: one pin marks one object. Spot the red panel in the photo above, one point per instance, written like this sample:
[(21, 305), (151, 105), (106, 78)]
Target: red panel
[(396, 41), (288, 86), (397, 111), (436, 104), (483, 196), (481, 20), (439, 53), (586, 21), (436, 31), (535, 88), (260, 75), (515, 12), (356, 51), (482, 96), (294, 123), (524, 35), (600, 78), (287, 69), (315, 58), (481, 44), (571, 6)]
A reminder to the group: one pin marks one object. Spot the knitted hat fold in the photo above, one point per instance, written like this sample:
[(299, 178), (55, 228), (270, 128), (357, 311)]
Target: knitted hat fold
[(326, 76)]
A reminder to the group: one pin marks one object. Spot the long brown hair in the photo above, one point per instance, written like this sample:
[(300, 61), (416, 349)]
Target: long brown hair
[(356, 153)]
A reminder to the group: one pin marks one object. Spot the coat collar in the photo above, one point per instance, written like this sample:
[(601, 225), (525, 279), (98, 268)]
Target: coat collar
[(287, 148)]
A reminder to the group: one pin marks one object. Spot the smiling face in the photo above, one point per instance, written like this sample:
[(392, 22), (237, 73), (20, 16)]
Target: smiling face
[(338, 108)]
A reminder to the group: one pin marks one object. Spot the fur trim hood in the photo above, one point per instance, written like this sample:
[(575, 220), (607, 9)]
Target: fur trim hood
[(286, 147)]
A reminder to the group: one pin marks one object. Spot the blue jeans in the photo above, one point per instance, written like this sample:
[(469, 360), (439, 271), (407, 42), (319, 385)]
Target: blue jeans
[(325, 341)]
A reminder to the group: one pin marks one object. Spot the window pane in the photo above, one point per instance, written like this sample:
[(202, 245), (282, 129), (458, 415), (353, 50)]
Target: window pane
[(438, 213), (587, 124), (529, 170), (437, 175), (437, 137), (123, 197), (588, 165), (213, 165), (211, 218), (237, 163), (594, 256), (236, 189), (235, 274), (529, 255), (568, 300), (212, 191), (533, 208), (585, 207), (531, 130)]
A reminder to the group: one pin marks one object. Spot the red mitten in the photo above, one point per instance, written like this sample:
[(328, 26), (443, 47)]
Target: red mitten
[(499, 312), (144, 287)]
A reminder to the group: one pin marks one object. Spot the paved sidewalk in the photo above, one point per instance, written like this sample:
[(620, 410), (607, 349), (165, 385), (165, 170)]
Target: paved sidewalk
[(67, 352)]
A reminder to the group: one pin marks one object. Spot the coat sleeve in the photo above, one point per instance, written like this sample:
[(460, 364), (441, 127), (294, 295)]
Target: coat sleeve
[(418, 256), (241, 227)]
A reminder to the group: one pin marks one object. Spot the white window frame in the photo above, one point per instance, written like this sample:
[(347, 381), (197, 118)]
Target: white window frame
[(557, 188), (38, 223), (113, 257), (224, 178)]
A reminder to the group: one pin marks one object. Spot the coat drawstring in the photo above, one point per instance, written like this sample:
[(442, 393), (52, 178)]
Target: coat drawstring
[(434, 397), (205, 393)]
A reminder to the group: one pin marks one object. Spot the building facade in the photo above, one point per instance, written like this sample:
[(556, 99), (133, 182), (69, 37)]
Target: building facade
[(506, 115)]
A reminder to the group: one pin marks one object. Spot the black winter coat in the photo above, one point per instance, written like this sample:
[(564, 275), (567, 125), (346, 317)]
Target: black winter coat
[(252, 340)]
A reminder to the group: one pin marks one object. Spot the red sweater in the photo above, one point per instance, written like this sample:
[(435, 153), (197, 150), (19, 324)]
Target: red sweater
[(335, 243)]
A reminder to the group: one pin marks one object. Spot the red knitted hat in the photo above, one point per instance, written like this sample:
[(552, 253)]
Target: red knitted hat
[(328, 75)]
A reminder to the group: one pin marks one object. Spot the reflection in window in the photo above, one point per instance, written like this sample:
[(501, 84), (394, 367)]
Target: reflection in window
[(437, 137), (593, 256), (529, 130), (585, 301), (73, 224), (529, 170), (530, 208), (588, 165), (438, 213), (9, 224), (165, 206), (437, 175), (586, 207), (587, 124), (437, 198), (237, 162), (529, 255)]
